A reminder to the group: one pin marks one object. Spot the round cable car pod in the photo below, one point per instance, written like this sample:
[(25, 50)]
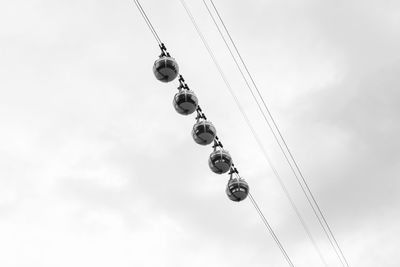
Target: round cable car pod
[(220, 161), (204, 132), (237, 189), (185, 102), (165, 68)]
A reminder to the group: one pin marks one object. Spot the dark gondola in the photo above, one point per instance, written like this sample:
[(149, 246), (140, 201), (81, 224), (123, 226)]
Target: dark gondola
[(165, 69), (204, 132), (237, 189), (220, 161), (185, 102)]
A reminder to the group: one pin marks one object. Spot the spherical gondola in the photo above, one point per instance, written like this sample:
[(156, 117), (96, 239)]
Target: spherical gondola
[(165, 69), (237, 189), (220, 161), (204, 132), (185, 102)]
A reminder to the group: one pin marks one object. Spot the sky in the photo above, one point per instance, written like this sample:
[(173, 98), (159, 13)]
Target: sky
[(98, 169)]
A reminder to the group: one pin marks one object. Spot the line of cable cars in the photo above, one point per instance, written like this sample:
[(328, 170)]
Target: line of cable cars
[(204, 133)]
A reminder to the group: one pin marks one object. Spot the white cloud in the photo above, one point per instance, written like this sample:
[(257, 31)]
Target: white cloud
[(96, 168)]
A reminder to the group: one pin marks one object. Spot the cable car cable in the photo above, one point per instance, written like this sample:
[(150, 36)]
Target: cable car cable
[(271, 231), (147, 20), (236, 100), (306, 229), (258, 104), (240, 107), (326, 228)]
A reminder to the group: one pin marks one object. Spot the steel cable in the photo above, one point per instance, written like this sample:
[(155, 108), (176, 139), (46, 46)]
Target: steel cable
[(241, 110), (304, 225), (305, 188), (270, 230), (147, 20)]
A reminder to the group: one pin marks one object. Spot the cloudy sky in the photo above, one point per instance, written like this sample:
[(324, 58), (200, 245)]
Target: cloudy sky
[(97, 168)]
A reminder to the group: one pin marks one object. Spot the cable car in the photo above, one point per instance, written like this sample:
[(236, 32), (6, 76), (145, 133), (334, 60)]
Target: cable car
[(204, 132), (165, 69), (220, 161), (185, 102), (237, 189)]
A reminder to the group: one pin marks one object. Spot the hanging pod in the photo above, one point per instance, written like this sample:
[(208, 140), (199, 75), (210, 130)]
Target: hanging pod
[(220, 161), (204, 132), (165, 68), (237, 189), (185, 102)]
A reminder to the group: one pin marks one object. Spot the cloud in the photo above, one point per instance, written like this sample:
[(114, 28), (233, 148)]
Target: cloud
[(96, 166)]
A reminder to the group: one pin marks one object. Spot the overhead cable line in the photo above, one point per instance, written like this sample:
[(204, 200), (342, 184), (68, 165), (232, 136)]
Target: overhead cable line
[(248, 123), (304, 225), (305, 188), (258, 140), (271, 231), (148, 22)]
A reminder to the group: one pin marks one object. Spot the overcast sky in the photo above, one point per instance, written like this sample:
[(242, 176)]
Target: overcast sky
[(97, 168)]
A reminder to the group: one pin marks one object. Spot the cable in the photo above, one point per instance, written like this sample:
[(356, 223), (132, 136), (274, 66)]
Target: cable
[(283, 140), (236, 100), (326, 228), (258, 104), (249, 124), (270, 127), (147, 20), (271, 231)]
